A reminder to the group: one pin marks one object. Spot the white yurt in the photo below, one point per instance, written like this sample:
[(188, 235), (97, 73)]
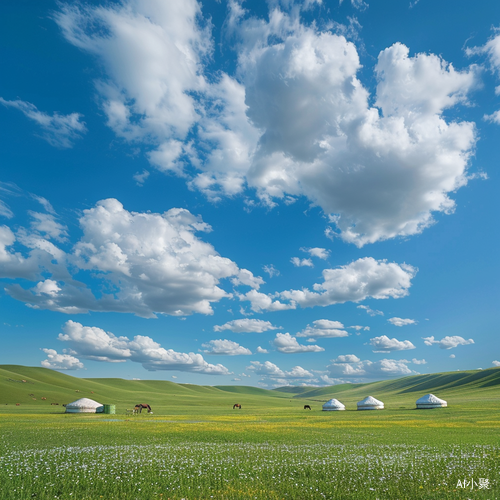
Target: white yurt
[(430, 401), (84, 405), (333, 405), (370, 403)]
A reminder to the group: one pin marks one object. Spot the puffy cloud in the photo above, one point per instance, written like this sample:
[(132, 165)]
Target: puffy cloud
[(370, 369), (47, 225), (58, 130), (385, 344), (261, 350), (320, 253), (346, 358), (151, 263), (246, 325), (287, 344), (90, 342), (245, 277), (370, 311), (401, 321), (225, 347), (324, 328), (447, 342), (272, 371), (416, 361), (358, 328), (57, 361), (301, 262), (353, 282), (271, 270), (495, 363), (297, 122)]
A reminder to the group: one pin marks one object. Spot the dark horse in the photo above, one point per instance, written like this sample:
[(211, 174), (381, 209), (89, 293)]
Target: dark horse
[(141, 406), (237, 405), (307, 407)]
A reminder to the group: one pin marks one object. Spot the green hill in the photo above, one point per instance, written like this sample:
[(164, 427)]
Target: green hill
[(36, 388)]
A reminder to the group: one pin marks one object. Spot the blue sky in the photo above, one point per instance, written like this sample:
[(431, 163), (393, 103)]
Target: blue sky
[(261, 193)]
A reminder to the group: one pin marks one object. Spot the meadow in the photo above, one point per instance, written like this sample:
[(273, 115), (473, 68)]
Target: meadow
[(195, 446)]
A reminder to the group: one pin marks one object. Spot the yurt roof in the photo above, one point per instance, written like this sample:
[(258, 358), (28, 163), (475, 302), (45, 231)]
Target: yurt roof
[(430, 399), (84, 403), (335, 403), (370, 401)]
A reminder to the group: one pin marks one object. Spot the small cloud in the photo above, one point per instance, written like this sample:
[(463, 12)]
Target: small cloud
[(301, 262), (287, 344), (385, 344), (246, 325), (496, 363), (271, 270), (401, 321), (140, 179), (320, 253), (371, 312), (418, 361), (346, 358), (452, 356), (261, 350), (225, 348), (447, 342)]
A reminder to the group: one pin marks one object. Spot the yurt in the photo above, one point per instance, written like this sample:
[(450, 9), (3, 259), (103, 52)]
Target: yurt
[(333, 405), (370, 403), (84, 405), (430, 401)]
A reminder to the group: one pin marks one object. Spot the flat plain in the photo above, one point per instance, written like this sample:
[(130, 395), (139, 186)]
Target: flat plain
[(196, 446)]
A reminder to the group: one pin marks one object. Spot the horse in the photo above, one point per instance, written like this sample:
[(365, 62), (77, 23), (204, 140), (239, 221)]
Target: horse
[(236, 405), (141, 406), (307, 407)]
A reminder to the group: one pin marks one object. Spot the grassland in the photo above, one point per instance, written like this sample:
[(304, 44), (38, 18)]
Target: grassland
[(196, 446)]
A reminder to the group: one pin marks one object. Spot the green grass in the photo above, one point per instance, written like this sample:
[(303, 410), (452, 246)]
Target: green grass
[(195, 446)]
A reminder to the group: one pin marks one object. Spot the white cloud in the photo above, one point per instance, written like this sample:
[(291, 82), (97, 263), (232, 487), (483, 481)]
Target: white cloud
[(325, 329), (47, 225), (272, 371), (320, 253), (358, 328), (57, 361), (140, 178), (346, 358), (370, 311), (370, 369), (447, 342), (385, 344), (261, 350), (151, 263), (90, 342), (225, 347), (246, 325), (58, 130), (298, 122), (287, 344), (416, 361), (401, 322), (245, 277), (301, 262), (271, 270), (495, 363)]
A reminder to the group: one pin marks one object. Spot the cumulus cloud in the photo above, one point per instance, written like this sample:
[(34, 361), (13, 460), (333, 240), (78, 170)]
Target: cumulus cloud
[(58, 130), (287, 344), (324, 328), (416, 361), (57, 361), (150, 263), (447, 342), (272, 371), (367, 369), (320, 253), (370, 311), (225, 347), (261, 350), (271, 270), (301, 262), (358, 328), (401, 321), (346, 358), (91, 342), (495, 363), (297, 121), (246, 325), (385, 344)]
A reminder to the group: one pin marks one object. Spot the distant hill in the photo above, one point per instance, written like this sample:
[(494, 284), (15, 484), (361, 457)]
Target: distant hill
[(36, 386)]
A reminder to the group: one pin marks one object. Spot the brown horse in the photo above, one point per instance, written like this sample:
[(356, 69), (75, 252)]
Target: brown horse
[(307, 407), (237, 405), (141, 406)]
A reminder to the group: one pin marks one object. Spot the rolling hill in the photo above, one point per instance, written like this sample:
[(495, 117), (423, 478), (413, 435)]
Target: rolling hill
[(36, 387)]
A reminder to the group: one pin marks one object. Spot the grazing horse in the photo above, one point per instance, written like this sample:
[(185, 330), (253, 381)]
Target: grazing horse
[(307, 407), (141, 406), (237, 405)]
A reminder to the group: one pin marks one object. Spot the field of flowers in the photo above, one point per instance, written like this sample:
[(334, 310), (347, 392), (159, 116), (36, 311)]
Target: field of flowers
[(265, 455)]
